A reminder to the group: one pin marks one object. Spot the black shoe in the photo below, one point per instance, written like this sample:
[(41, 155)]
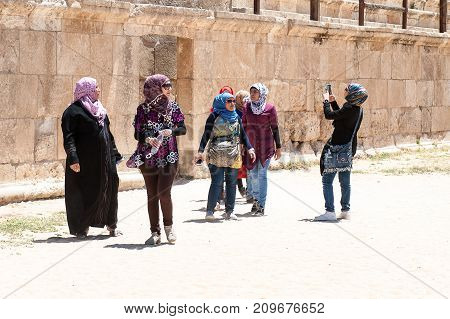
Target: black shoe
[(243, 192), (260, 211), (250, 199), (255, 207)]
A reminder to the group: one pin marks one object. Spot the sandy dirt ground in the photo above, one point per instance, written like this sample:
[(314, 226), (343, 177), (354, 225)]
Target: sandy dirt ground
[(395, 246)]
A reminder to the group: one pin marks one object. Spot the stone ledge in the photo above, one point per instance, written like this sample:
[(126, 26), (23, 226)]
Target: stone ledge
[(51, 188)]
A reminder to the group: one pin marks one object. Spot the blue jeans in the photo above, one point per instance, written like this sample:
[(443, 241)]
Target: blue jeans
[(327, 182), (258, 180), (249, 185), (217, 176)]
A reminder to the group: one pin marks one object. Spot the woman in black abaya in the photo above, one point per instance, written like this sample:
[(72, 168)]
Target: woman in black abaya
[(91, 180)]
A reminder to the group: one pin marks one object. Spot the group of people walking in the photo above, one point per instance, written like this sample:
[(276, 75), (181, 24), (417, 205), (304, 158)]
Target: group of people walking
[(240, 138)]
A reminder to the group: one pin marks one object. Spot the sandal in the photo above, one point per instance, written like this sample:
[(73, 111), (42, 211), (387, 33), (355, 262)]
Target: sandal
[(114, 232)]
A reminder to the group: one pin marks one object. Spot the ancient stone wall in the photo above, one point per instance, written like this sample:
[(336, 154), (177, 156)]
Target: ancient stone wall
[(46, 49)]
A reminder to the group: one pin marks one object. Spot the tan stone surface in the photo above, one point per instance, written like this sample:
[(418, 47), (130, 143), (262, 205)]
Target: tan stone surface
[(440, 117), (73, 54), (37, 52), (303, 126), (125, 49), (425, 93), (396, 93), (24, 141), (120, 95), (9, 51), (54, 94), (101, 54), (7, 173), (46, 139), (405, 121), (39, 171)]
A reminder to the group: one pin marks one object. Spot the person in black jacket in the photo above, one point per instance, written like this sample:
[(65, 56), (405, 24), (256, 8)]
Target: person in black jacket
[(91, 180), (346, 120)]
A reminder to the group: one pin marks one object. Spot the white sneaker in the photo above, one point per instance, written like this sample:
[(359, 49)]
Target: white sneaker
[(231, 216), (327, 216), (345, 215), (155, 239), (210, 216), (171, 238)]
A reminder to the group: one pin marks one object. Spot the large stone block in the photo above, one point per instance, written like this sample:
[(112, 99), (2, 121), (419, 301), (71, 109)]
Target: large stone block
[(442, 89), (39, 171), (242, 60), (279, 94), (386, 65), (73, 54), (411, 93), (405, 62), (440, 119), (428, 63), (298, 96), (101, 54), (54, 94), (203, 60), (379, 122), (86, 25), (120, 95), (203, 93), (287, 62), (426, 119), (185, 95), (24, 141), (46, 138), (166, 57), (9, 51), (378, 93), (37, 52), (405, 120), (396, 93), (125, 53), (369, 64), (123, 132), (19, 93), (7, 146), (303, 126), (185, 58), (7, 173), (265, 59), (425, 93)]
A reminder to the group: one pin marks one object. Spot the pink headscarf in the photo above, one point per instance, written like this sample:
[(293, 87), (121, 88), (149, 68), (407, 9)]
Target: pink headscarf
[(84, 92), (154, 96)]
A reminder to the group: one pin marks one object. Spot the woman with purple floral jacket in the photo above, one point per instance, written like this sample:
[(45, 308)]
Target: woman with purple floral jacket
[(157, 123)]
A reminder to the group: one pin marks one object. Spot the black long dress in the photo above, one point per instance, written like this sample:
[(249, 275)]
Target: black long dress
[(91, 194)]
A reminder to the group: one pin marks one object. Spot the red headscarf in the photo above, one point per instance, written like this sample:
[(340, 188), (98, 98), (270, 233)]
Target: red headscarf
[(226, 88)]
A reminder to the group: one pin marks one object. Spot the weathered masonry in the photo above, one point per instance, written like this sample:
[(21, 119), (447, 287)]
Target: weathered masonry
[(46, 46)]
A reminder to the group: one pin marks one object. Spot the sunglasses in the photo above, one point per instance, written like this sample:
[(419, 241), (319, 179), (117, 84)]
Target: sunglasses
[(167, 86), (231, 101)]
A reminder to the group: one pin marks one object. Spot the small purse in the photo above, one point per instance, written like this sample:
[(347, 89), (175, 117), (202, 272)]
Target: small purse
[(339, 158)]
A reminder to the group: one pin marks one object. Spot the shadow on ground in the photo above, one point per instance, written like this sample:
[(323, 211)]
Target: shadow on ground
[(65, 240), (135, 246), (312, 220)]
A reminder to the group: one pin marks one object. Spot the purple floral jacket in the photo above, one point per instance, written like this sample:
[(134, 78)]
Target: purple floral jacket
[(148, 123)]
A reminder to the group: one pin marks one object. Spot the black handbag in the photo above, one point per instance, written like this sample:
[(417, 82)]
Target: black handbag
[(339, 158)]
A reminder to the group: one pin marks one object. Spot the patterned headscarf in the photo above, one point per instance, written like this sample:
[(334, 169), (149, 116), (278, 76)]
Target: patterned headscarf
[(259, 106), (357, 94), (219, 107), (226, 88), (84, 92), (154, 96)]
